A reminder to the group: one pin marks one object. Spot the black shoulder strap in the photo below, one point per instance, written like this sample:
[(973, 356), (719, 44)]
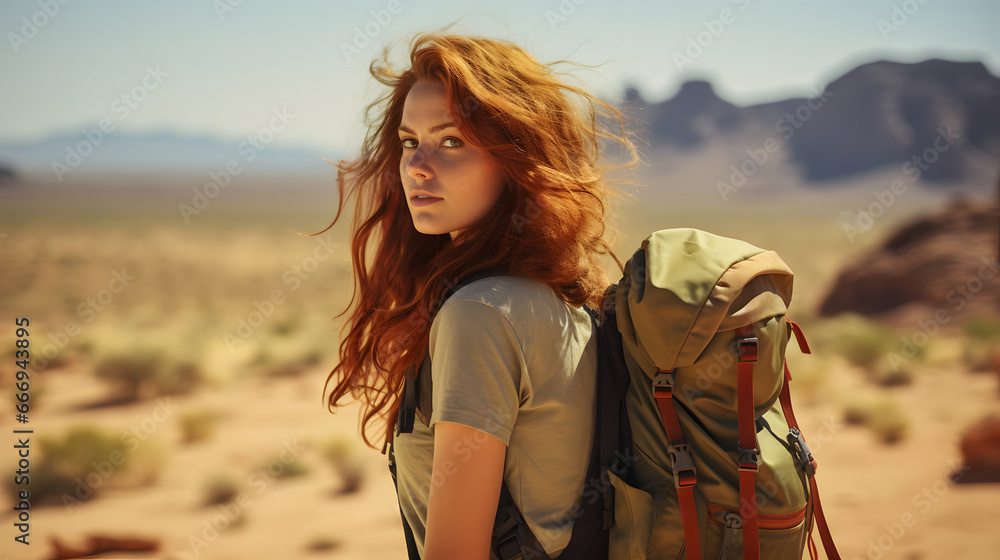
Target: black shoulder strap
[(411, 543)]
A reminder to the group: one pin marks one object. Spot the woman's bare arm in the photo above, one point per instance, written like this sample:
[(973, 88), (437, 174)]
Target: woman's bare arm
[(465, 489)]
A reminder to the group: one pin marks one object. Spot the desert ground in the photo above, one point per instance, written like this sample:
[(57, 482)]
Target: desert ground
[(227, 450)]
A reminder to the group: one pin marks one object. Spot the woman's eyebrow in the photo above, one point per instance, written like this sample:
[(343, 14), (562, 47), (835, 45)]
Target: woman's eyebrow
[(442, 126)]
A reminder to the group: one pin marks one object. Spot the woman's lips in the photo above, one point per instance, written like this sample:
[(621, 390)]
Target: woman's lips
[(424, 201)]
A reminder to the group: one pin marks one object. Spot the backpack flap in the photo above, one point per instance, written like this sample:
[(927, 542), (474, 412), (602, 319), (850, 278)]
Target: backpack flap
[(681, 285)]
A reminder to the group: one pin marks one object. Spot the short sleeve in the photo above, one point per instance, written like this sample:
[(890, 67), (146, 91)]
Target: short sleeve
[(476, 368)]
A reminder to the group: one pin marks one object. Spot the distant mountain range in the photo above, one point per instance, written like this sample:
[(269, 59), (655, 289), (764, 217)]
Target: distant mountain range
[(946, 114), (883, 114), (94, 152)]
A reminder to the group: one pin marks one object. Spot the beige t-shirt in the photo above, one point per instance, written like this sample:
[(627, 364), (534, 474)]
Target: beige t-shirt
[(513, 360)]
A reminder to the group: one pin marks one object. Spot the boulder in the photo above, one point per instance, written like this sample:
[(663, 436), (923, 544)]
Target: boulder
[(946, 261), (980, 446)]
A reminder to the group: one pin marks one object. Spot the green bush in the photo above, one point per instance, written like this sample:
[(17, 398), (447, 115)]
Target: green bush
[(981, 344), (885, 375), (142, 374), (883, 416), (864, 342), (983, 328), (978, 354), (198, 426), (287, 357), (220, 488), (285, 469), (343, 456), (83, 462)]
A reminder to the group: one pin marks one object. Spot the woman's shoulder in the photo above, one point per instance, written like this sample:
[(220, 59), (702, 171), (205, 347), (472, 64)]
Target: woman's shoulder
[(526, 303), (504, 292)]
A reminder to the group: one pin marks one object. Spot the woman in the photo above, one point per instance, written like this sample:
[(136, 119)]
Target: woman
[(477, 158)]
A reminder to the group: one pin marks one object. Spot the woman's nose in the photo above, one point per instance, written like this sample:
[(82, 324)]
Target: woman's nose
[(417, 166)]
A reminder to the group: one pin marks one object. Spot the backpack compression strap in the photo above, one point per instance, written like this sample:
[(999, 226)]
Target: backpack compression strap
[(798, 443), (748, 451), (685, 476)]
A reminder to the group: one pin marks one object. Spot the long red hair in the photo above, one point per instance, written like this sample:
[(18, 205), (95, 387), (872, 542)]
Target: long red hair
[(549, 224)]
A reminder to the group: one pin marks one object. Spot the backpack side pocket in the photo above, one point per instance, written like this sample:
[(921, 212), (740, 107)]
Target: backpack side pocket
[(633, 528)]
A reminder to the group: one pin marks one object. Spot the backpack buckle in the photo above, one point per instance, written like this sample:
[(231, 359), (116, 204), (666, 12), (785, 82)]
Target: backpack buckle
[(802, 452), (749, 461), (664, 380), (748, 349), (684, 471), (509, 547), (508, 533)]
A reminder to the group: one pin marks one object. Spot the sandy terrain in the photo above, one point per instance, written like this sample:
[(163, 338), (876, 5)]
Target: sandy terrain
[(866, 488)]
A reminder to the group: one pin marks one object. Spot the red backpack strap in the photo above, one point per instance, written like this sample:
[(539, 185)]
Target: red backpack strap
[(805, 457), (685, 476), (748, 451)]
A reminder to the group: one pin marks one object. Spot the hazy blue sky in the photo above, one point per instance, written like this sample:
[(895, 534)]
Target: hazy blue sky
[(222, 67)]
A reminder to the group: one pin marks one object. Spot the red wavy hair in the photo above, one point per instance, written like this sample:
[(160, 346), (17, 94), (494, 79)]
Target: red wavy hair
[(549, 223)]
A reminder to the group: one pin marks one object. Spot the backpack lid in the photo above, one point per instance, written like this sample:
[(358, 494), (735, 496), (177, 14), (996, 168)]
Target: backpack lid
[(684, 285)]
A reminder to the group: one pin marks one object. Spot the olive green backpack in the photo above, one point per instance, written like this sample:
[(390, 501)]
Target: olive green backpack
[(719, 468)]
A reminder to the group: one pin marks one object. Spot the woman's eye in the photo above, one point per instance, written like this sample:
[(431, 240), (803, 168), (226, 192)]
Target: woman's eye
[(456, 140)]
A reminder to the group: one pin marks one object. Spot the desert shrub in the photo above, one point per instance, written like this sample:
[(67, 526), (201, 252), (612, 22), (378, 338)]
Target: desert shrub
[(279, 467), (220, 488), (198, 426), (128, 373), (144, 373), (346, 461), (982, 328), (883, 416), (981, 346), (322, 544), (287, 357), (79, 465), (286, 326), (885, 375), (864, 342)]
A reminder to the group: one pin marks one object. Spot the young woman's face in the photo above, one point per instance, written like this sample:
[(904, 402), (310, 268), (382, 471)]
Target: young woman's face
[(463, 181)]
